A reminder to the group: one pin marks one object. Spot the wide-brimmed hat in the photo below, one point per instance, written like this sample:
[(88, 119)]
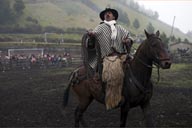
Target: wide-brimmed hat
[(115, 13)]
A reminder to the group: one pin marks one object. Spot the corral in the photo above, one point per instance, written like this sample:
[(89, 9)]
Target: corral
[(33, 98)]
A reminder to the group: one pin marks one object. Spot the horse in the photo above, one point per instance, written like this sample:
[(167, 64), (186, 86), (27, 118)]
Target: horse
[(137, 87)]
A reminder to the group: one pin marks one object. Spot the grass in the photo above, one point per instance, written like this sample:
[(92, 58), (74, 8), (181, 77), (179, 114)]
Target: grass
[(179, 75), (31, 37), (73, 14), (37, 45), (55, 72)]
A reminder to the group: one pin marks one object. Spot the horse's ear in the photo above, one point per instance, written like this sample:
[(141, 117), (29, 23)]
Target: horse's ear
[(157, 33), (146, 33)]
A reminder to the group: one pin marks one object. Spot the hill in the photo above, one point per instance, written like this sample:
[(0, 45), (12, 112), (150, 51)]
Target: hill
[(84, 14)]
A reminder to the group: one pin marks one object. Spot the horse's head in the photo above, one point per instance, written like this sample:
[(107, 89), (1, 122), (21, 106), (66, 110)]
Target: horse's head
[(157, 51)]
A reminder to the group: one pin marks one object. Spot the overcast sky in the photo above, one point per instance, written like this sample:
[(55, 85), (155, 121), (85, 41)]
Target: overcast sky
[(167, 9)]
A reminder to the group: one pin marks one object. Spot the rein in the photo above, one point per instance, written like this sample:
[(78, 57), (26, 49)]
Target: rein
[(138, 84), (149, 66)]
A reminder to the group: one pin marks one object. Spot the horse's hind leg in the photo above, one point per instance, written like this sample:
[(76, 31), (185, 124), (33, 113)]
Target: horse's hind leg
[(124, 114), (78, 115), (81, 108)]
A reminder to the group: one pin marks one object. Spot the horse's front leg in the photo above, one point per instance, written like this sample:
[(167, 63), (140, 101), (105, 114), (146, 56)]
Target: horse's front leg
[(147, 114), (124, 113)]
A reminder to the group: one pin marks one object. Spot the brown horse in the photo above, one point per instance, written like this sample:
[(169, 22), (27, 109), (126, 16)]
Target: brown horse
[(137, 88)]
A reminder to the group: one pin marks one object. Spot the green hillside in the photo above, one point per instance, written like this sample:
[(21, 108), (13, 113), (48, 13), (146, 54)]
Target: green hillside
[(63, 14), (66, 14)]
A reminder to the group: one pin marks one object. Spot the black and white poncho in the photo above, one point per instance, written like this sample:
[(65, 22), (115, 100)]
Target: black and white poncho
[(106, 44)]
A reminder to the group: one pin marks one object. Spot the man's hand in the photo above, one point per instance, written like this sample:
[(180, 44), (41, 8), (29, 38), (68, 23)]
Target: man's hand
[(90, 33), (126, 40), (128, 43)]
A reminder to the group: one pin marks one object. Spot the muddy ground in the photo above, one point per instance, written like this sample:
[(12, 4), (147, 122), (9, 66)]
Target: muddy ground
[(33, 98)]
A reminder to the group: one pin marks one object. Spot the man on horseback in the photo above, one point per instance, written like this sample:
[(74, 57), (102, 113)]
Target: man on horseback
[(113, 41), (111, 37)]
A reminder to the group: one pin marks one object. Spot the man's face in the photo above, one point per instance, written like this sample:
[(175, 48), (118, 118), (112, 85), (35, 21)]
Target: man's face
[(109, 16)]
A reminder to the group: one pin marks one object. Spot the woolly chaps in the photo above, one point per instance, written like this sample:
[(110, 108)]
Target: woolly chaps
[(113, 76)]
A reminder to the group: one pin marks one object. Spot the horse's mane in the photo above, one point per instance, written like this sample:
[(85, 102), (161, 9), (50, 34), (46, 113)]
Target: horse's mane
[(143, 44), (139, 48)]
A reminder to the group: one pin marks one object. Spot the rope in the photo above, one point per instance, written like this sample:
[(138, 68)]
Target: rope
[(149, 66)]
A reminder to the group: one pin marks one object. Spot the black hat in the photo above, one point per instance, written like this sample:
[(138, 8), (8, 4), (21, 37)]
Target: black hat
[(115, 13)]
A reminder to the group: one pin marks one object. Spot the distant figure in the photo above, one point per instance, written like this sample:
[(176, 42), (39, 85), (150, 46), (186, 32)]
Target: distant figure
[(33, 59)]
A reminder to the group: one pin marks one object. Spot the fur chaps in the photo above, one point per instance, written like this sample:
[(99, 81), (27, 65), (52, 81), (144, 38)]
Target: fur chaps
[(113, 76)]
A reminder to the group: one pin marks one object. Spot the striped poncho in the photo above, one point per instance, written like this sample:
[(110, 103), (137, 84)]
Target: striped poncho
[(106, 44)]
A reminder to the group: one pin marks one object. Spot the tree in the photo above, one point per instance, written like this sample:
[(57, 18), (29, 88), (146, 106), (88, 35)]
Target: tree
[(156, 15), (150, 28), (123, 17), (164, 39), (179, 40), (6, 14), (186, 40), (173, 38), (134, 5), (19, 6), (136, 23)]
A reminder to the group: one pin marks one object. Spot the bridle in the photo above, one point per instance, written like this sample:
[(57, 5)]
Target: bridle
[(156, 57)]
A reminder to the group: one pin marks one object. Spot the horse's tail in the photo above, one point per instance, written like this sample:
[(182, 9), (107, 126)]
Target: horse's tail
[(66, 96), (72, 76)]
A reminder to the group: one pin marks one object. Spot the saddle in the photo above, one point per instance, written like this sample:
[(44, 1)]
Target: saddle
[(80, 74)]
